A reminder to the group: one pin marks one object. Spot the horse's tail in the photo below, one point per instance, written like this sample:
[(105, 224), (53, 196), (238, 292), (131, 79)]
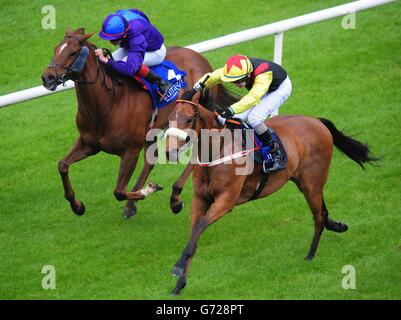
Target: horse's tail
[(355, 150)]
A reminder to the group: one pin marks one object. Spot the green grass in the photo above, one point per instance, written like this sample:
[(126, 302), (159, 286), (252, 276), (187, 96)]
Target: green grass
[(351, 77)]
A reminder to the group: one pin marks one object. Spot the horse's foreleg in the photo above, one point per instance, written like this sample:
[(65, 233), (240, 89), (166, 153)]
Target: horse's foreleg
[(199, 208), (79, 151), (200, 222), (176, 203)]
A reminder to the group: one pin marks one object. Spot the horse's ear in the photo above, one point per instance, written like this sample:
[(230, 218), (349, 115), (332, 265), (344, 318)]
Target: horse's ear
[(68, 32), (87, 36), (80, 31)]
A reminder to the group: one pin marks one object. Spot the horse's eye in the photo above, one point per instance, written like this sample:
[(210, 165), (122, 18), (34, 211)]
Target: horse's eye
[(73, 54), (190, 120)]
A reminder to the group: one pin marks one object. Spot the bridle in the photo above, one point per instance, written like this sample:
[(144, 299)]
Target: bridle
[(188, 96), (195, 107), (76, 66), (181, 134)]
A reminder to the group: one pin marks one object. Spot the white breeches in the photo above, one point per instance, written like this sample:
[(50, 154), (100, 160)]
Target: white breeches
[(268, 105), (151, 58)]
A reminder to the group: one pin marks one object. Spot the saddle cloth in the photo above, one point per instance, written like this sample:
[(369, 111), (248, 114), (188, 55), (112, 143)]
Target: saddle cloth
[(168, 71)]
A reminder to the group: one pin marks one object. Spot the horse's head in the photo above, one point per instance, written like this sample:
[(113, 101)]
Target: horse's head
[(69, 59), (184, 126)]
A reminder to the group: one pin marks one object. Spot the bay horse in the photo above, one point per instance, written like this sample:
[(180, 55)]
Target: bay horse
[(114, 118), (218, 189)]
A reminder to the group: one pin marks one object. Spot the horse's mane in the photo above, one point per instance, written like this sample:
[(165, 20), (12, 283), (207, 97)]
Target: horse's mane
[(116, 76), (224, 98)]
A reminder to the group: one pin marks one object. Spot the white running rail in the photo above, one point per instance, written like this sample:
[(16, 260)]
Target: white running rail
[(276, 28)]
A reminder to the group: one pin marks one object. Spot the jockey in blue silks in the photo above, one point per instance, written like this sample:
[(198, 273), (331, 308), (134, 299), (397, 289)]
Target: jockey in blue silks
[(141, 46)]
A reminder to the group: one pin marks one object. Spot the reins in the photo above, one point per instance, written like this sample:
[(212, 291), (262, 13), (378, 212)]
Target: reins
[(233, 156)]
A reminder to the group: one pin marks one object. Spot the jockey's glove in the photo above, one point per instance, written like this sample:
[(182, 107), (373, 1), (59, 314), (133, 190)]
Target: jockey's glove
[(199, 86), (226, 113)]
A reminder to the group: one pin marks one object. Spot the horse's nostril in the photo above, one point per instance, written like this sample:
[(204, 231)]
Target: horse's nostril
[(48, 79), (49, 82)]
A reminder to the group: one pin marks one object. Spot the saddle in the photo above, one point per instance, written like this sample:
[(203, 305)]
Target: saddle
[(259, 156), (262, 153), (166, 70)]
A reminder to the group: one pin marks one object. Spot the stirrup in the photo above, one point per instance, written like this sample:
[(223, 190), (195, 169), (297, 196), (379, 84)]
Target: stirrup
[(268, 168), (268, 163)]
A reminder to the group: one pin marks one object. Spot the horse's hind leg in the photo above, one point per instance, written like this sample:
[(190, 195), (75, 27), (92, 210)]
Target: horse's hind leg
[(330, 224), (315, 204), (313, 193), (312, 188), (79, 151), (128, 163), (130, 208)]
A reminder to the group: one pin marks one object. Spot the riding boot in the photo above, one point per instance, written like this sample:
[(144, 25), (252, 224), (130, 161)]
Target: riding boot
[(149, 75), (274, 163)]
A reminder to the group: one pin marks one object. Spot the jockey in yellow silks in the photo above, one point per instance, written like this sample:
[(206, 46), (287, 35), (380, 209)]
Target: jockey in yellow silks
[(269, 87)]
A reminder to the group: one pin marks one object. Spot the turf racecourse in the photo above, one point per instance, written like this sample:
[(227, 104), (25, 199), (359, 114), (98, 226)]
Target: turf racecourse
[(351, 77)]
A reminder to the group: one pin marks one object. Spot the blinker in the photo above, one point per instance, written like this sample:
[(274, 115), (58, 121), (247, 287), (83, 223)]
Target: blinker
[(79, 62)]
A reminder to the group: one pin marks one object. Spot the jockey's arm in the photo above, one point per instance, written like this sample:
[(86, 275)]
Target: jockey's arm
[(135, 58), (214, 78), (260, 87)]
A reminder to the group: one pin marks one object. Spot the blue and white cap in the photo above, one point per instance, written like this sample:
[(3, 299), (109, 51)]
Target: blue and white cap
[(114, 27)]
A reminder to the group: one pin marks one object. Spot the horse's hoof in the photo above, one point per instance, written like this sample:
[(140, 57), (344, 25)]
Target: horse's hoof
[(155, 186), (342, 227), (337, 227), (181, 283), (177, 271), (129, 212), (309, 258), (177, 206), (177, 291), (79, 210)]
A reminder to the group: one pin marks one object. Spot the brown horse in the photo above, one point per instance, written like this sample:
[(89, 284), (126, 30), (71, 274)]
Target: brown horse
[(114, 118), (218, 189)]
